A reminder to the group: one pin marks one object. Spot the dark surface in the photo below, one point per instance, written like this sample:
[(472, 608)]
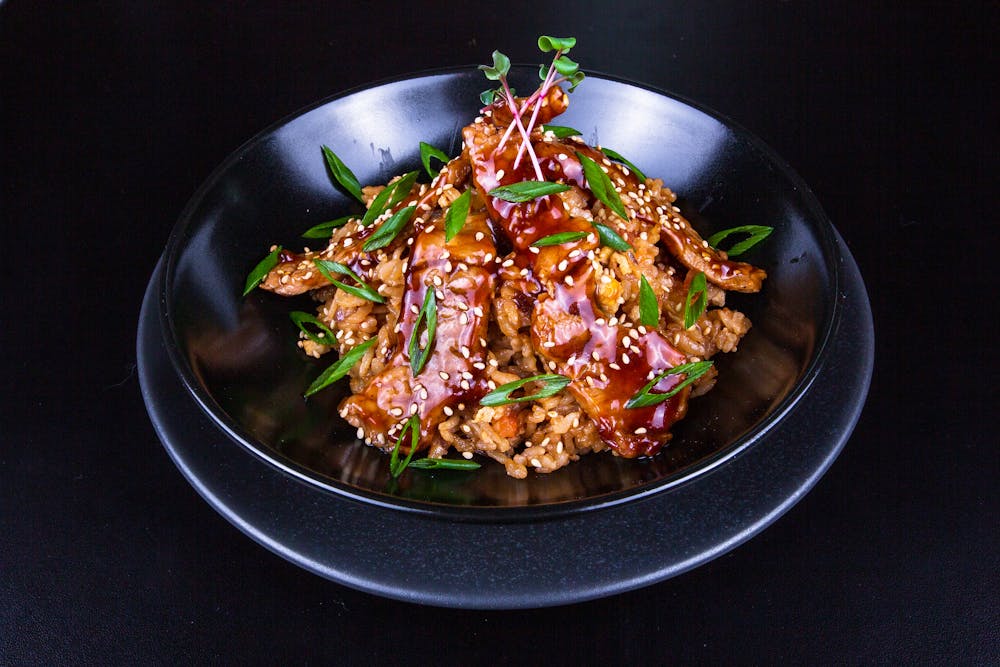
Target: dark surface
[(113, 115)]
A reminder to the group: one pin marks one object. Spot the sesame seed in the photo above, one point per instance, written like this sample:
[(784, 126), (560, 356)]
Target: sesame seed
[(396, 412), (534, 249), (640, 430), (413, 408), (443, 375), (626, 341), (423, 394), (536, 463), (595, 356), (480, 236), (414, 309), (466, 455), (500, 174), (614, 366), (448, 411), (548, 343), (552, 365), (464, 384), (625, 359)]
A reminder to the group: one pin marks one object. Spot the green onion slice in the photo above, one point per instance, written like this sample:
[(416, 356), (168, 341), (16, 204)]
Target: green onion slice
[(444, 464), (601, 185), (610, 238), (340, 367), (328, 268), (396, 467), (263, 267), (649, 307), (384, 235), (455, 217), (324, 229), (552, 384), (617, 157), (561, 237), (389, 197), (693, 370), (696, 300), (428, 314), (757, 234), (344, 176), (527, 190), (301, 319), (427, 152), (561, 131)]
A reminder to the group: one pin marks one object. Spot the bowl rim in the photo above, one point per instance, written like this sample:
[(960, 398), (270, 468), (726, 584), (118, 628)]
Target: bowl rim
[(493, 513)]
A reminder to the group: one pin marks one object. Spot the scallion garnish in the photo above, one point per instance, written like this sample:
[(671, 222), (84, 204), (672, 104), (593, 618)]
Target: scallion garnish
[(552, 384), (527, 190), (427, 152), (561, 131), (301, 319), (263, 267), (696, 300), (617, 157), (343, 175), (324, 229), (643, 398), (601, 185), (444, 464), (757, 234), (384, 235), (363, 291), (396, 467), (456, 215), (340, 367), (610, 238), (561, 237), (649, 307), (428, 315), (389, 196)]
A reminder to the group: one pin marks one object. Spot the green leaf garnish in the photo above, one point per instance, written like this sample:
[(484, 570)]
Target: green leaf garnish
[(301, 319), (488, 96), (263, 267), (455, 217), (552, 384), (565, 66), (389, 197), (617, 157), (696, 300), (340, 367), (324, 229), (561, 131), (396, 467), (610, 238), (561, 237), (527, 190), (757, 234), (649, 307), (575, 80), (444, 464), (501, 65), (344, 176), (427, 152), (384, 235), (564, 44), (328, 268), (428, 313), (643, 398), (601, 185)]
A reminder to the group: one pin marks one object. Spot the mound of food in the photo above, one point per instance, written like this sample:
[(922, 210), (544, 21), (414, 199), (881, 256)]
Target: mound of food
[(539, 300)]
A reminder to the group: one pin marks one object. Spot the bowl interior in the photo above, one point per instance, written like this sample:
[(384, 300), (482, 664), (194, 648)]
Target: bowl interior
[(239, 358)]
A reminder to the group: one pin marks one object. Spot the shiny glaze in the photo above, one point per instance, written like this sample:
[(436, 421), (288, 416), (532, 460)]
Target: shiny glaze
[(568, 330), (465, 267)]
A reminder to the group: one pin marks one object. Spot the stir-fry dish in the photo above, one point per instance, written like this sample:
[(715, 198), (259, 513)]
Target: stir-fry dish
[(538, 300)]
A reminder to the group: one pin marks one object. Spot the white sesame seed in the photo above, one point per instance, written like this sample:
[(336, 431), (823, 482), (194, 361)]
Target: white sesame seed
[(443, 375), (448, 411), (625, 359), (640, 430), (466, 455)]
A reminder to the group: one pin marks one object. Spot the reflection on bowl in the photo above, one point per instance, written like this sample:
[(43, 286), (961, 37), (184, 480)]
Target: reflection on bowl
[(239, 359)]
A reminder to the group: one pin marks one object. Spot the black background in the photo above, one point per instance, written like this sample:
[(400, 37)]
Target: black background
[(113, 114)]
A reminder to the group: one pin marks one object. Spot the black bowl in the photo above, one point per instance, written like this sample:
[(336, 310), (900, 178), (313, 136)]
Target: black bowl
[(238, 358)]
